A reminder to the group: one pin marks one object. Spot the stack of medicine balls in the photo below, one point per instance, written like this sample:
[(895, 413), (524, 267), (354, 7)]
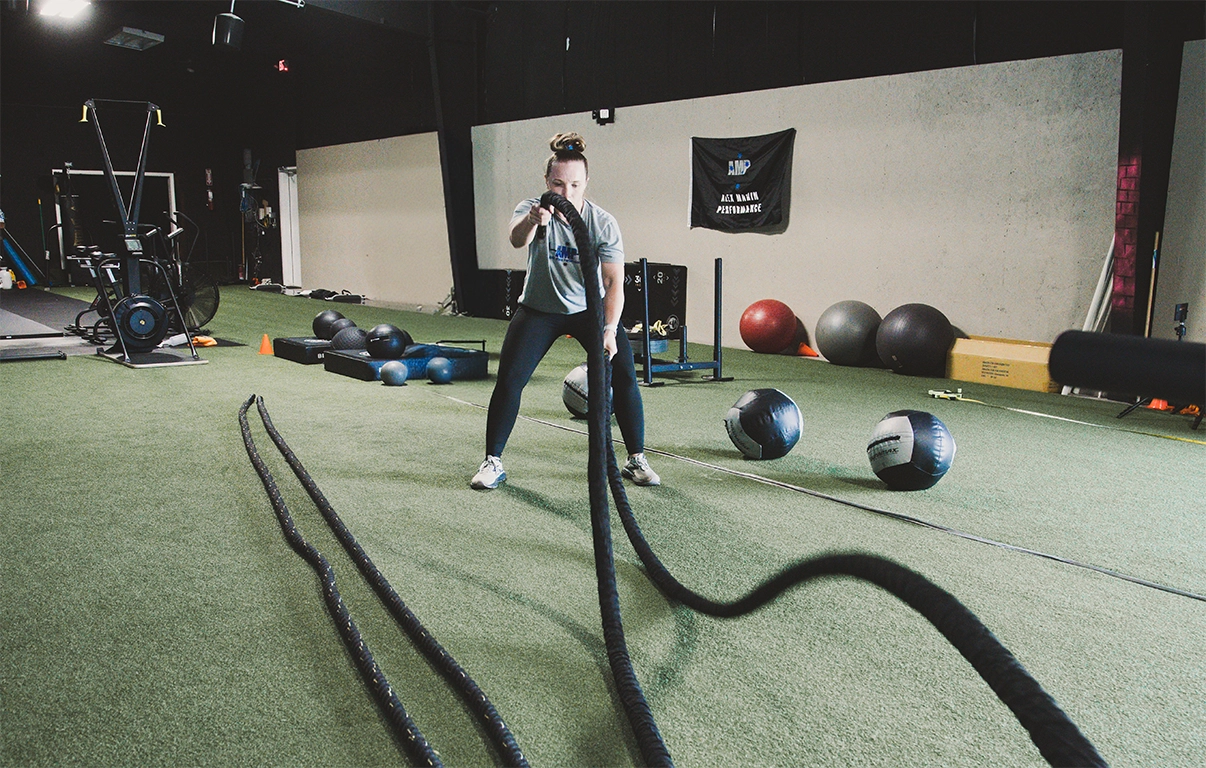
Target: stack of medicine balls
[(383, 342)]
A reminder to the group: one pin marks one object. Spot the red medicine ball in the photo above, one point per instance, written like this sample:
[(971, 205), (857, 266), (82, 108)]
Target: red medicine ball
[(768, 326)]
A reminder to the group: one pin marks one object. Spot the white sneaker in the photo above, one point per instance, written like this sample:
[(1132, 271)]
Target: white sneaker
[(637, 470), (489, 474)]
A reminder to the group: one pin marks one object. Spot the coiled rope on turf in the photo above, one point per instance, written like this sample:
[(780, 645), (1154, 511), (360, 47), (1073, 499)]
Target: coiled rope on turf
[(477, 701), (1058, 739), (404, 728)]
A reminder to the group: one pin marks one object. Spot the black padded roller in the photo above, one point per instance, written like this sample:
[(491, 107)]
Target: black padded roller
[(1132, 365)]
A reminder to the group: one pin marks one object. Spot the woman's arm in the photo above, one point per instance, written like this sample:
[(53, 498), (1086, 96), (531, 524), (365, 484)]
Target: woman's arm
[(613, 303), (523, 227)]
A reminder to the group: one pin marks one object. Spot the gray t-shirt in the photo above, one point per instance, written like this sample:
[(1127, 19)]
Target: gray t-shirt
[(554, 282)]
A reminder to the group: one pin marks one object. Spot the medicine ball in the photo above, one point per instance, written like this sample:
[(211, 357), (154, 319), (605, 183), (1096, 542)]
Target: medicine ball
[(439, 370), (764, 424), (387, 341), (914, 339), (768, 326), (394, 373), (846, 333), (574, 392), (322, 323), (349, 338), (339, 325), (910, 450)]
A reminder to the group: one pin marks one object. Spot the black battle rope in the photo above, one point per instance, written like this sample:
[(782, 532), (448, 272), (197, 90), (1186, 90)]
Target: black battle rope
[(879, 511), (496, 729), (1058, 739), (404, 728), (598, 379)]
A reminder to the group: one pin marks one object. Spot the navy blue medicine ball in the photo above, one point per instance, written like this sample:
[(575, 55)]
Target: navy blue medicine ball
[(910, 450), (764, 424)]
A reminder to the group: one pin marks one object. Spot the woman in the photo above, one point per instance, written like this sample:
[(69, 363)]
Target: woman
[(553, 303)]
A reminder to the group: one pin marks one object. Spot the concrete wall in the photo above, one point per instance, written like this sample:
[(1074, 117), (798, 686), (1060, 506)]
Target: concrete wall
[(372, 219), (986, 191), (1181, 276)]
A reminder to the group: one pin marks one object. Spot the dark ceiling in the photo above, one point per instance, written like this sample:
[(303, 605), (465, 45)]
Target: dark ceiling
[(363, 69)]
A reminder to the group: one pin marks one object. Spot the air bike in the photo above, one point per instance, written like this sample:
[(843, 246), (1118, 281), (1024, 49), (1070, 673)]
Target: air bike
[(137, 317)]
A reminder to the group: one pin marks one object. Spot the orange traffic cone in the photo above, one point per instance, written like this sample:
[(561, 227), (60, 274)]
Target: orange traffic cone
[(1158, 405), (265, 346)]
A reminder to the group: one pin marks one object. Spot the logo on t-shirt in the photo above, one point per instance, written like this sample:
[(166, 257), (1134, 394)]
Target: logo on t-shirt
[(565, 254)]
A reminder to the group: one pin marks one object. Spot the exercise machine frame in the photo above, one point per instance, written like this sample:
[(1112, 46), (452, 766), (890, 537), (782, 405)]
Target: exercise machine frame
[(126, 286), (649, 367)]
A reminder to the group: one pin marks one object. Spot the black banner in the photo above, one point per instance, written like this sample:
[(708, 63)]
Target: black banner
[(741, 184)]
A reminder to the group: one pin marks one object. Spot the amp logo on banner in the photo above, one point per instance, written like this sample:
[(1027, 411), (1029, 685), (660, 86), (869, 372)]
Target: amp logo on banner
[(741, 184)]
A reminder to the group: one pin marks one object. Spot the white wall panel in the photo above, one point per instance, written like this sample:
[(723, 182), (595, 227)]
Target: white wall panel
[(372, 219), (986, 191)]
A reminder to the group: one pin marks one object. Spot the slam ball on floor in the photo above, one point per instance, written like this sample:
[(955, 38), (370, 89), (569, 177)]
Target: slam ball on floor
[(914, 339), (846, 333)]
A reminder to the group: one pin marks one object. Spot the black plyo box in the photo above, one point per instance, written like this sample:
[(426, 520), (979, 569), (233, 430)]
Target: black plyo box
[(301, 350)]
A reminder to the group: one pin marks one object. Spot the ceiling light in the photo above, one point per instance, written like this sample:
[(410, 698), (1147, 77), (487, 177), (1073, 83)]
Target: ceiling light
[(134, 39), (228, 29), (66, 9)]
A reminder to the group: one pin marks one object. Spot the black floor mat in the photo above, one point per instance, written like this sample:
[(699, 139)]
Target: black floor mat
[(23, 311)]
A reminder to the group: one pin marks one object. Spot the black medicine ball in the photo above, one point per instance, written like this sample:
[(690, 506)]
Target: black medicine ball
[(349, 338), (340, 324), (322, 323), (914, 339), (910, 450), (764, 424), (387, 342)]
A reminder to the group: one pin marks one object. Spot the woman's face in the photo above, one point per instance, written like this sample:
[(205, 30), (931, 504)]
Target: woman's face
[(568, 179)]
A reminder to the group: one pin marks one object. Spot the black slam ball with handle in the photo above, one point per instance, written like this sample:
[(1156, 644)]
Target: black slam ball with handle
[(764, 424), (387, 342), (910, 450), (323, 322)]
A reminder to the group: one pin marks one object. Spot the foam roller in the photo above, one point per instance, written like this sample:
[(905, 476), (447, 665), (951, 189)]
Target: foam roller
[(1161, 368)]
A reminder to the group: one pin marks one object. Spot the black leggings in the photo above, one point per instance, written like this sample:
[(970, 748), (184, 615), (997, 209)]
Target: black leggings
[(529, 337)]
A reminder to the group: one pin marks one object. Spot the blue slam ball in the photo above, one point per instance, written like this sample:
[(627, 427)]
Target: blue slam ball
[(394, 373), (910, 450), (764, 424), (439, 370)]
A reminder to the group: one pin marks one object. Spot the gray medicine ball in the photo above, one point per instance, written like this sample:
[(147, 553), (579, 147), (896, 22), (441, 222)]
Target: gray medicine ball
[(846, 333)]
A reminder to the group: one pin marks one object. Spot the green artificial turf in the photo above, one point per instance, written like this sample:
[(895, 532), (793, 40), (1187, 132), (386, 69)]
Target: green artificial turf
[(155, 615)]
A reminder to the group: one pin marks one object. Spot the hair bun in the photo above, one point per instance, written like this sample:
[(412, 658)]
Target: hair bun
[(568, 142)]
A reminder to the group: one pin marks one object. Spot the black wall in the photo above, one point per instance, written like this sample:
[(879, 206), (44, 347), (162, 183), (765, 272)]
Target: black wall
[(372, 69), (347, 81), (625, 53)]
